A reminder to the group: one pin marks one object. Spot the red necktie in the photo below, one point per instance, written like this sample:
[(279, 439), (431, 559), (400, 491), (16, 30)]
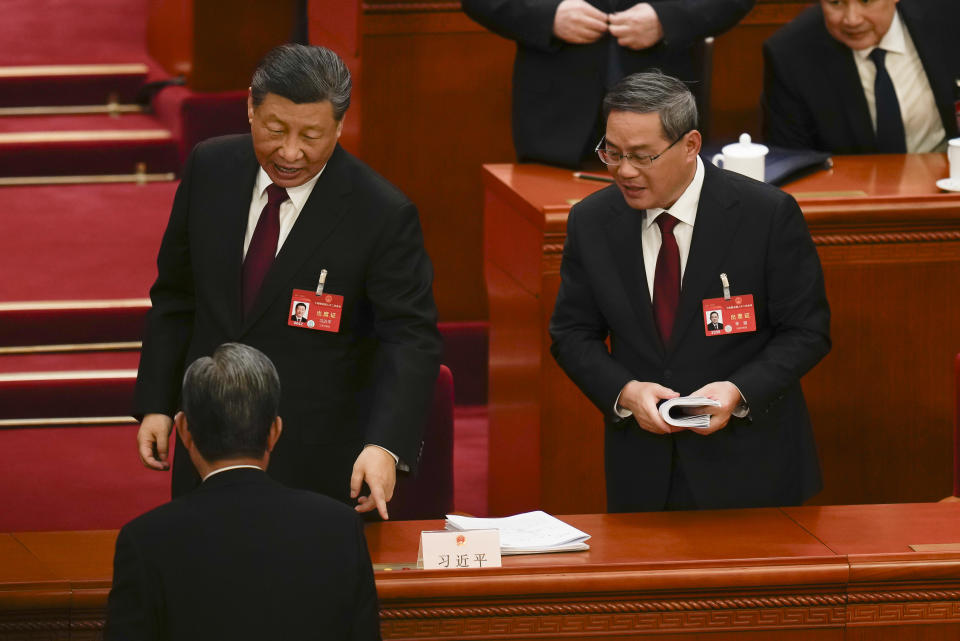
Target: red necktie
[(666, 280), (263, 246)]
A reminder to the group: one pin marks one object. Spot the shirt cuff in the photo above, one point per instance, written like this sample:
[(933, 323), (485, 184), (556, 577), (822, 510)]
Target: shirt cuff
[(403, 467), (622, 412), (742, 409)]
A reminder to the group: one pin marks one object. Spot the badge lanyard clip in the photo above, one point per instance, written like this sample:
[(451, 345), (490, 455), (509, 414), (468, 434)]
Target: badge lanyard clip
[(323, 280), (726, 286)]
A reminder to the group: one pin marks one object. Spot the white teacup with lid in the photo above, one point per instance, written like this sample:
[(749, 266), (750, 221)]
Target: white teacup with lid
[(744, 157), (953, 156)]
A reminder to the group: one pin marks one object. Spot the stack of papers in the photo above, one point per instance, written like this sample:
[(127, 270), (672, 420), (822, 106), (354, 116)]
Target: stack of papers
[(527, 533), (673, 413)]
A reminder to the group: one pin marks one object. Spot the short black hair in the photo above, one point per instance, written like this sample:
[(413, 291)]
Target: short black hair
[(230, 400), (302, 74), (299, 305)]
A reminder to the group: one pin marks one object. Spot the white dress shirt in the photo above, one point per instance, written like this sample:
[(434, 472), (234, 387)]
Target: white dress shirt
[(685, 211), (231, 467), (918, 108), (289, 209)]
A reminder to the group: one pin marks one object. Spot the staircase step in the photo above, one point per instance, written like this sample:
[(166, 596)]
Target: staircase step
[(86, 144), (92, 84)]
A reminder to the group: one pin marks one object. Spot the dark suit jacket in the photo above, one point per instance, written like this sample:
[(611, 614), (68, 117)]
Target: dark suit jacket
[(714, 326), (242, 557), (558, 87), (754, 233), (813, 98), (371, 382)]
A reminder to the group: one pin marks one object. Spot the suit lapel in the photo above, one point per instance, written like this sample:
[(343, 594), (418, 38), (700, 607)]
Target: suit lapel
[(713, 232), (624, 233), (322, 212), (838, 63), (235, 210)]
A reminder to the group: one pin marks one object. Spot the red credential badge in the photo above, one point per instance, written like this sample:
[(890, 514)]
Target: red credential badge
[(310, 310), (733, 315)]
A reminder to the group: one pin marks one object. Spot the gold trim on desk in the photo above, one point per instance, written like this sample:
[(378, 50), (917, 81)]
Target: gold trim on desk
[(119, 346)]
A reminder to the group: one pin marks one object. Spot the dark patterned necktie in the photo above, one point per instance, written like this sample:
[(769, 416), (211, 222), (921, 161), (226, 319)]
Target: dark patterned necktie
[(666, 279), (263, 246), (891, 138)]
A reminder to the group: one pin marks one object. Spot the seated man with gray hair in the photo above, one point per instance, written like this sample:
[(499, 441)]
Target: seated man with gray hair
[(241, 556)]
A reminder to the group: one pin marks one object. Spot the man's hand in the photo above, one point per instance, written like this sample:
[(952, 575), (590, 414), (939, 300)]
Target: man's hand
[(729, 397), (376, 466), (153, 440), (636, 28), (579, 22), (641, 399)]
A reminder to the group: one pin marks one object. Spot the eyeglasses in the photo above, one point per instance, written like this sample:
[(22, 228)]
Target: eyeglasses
[(638, 161)]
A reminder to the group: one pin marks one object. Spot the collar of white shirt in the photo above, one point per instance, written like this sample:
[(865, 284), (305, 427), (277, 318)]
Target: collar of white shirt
[(231, 467), (298, 195), (685, 209), (892, 41)]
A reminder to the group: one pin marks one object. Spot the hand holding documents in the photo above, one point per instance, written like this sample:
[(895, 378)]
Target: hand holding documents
[(673, 411), (527, 533)]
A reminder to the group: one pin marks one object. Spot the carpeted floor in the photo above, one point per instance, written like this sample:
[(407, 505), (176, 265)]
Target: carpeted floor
[(45, 32), (86, 478), (85, 241)]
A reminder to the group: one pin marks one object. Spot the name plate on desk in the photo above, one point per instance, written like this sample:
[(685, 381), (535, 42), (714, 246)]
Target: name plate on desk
[(443, 549)]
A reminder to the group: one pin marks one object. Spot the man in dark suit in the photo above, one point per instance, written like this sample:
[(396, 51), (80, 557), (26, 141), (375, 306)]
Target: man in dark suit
[(241, 556), (298, 314), (843, 69), (644, 289), (569, 52), (714, 324), (256, 220)]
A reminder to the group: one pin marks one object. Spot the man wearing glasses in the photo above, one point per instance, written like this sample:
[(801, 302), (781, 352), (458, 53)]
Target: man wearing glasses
[(642, 259)]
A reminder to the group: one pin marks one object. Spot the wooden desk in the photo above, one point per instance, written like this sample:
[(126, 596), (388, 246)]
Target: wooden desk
[(820, 573), (881, 402)]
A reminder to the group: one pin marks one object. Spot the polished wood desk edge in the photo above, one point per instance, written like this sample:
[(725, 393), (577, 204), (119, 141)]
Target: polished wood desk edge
[(883, 213)]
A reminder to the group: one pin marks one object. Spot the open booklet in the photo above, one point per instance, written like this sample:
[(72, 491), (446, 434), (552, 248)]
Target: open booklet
[(674, 413), (528, 533)]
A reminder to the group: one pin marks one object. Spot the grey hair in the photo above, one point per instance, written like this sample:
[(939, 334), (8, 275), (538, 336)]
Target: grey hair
[(230, 400), (302, 74), (655, 92)]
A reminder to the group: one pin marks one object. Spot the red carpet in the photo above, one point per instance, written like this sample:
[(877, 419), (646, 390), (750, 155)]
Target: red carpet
[(43, 32), (91, 478), (74, 479), (37, 86), (81, 242), (90, 144)]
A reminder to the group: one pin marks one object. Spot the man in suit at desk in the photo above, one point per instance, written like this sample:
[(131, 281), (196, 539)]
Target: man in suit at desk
[(241, 556), (257, 222), (861, 77), (569, 52), (671, 219)]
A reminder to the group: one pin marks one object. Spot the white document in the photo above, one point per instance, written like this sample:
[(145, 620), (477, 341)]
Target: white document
[(672, 411), (527, 533)]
